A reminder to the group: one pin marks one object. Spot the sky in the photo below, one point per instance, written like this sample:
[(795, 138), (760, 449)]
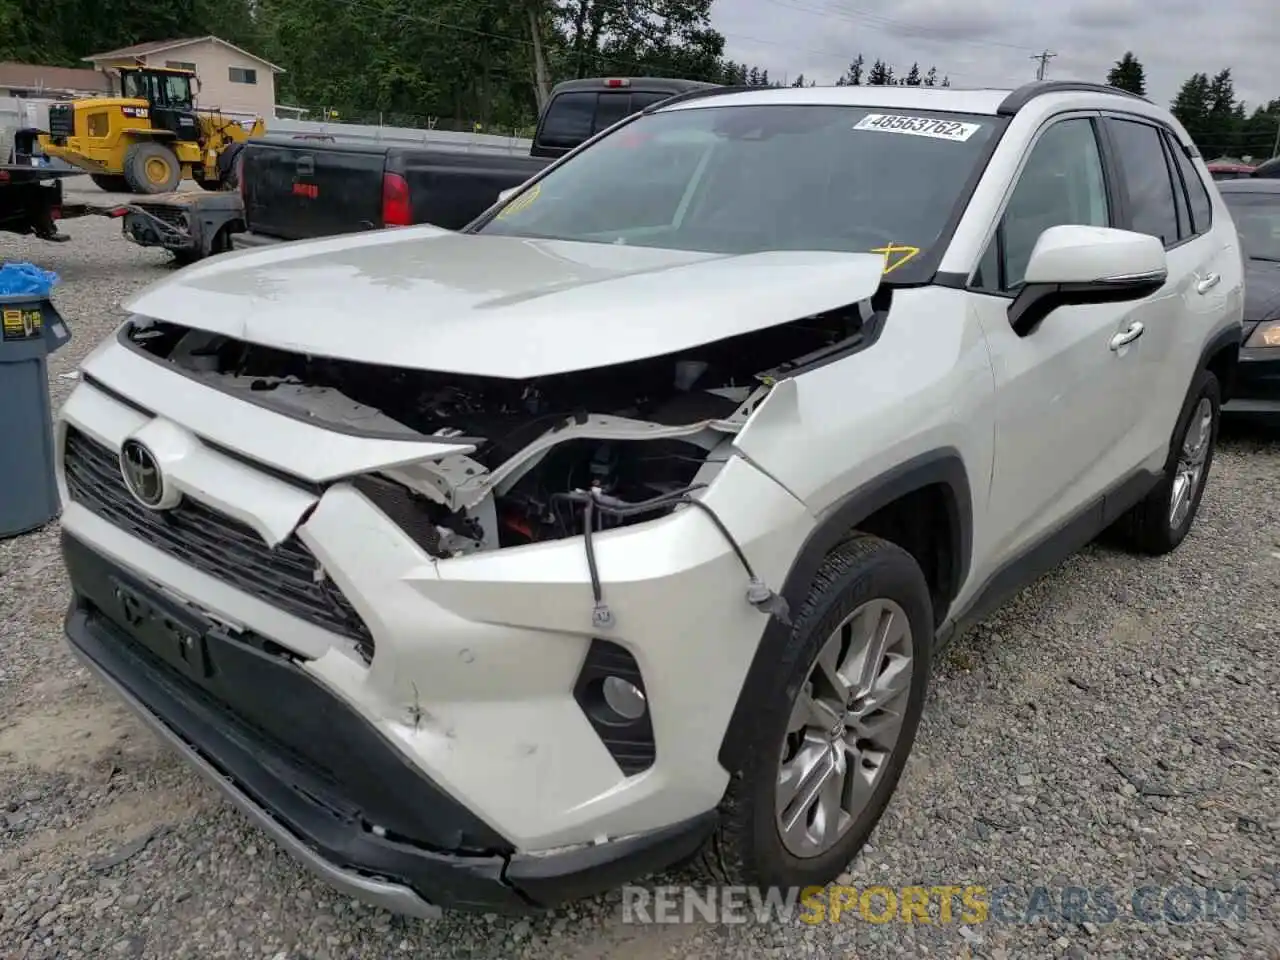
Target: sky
[(990, 42)]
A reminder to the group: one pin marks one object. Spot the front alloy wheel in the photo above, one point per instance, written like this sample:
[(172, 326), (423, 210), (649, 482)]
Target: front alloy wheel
[(835, 702), (844, 727)]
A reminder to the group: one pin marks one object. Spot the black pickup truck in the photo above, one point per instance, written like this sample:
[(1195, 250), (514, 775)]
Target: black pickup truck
[(31, 199), (298, 188)]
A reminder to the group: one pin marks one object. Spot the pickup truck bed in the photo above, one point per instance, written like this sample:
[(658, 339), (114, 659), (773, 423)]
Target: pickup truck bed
[(299, 189)]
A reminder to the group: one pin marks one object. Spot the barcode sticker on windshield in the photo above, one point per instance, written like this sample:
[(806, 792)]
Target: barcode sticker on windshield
[(918, 126)]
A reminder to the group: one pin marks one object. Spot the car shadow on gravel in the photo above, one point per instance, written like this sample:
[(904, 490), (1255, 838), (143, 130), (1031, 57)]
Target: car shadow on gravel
[(1250, 432)]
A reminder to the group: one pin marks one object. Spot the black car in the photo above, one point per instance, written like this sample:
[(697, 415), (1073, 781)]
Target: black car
[(1268, 169), (1255, 207)]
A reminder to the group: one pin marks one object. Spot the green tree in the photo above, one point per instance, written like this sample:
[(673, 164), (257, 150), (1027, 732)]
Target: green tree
[(1224, 117), (853, 76), (62, 32), (1260, 132), (660, 37), (491, 61), (1213, 117), (1128, 74), (880, 74), (912, 78), (931, 78), (400, 61), (1191, 106)]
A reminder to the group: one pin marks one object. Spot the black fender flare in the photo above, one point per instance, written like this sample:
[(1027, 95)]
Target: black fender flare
[(1231, 339), (944, 467)]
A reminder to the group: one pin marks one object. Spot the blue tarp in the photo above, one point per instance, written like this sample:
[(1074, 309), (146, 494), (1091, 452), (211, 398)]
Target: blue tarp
[(26, 280)]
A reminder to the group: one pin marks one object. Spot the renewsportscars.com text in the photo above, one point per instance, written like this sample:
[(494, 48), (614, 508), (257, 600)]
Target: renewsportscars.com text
[(969, 904)]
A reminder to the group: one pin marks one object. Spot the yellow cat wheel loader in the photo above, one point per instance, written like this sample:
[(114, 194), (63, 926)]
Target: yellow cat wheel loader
[(151, 137)]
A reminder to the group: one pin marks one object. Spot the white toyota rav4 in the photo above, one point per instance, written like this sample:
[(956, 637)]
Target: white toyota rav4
[(492, 569)]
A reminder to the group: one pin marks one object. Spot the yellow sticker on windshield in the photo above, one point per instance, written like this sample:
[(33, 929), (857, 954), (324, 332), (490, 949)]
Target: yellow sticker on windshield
[(895, 255), (521, 203)]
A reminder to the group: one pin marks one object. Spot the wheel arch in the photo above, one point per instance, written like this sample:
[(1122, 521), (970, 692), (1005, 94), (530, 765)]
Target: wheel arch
[(1221, 357), (939, 474)]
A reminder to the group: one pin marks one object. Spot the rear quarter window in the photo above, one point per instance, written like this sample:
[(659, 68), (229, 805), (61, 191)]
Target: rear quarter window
[(1197, 195)]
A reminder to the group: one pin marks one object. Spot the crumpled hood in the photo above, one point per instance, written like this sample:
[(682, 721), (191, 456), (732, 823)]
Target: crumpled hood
[(430, 299)]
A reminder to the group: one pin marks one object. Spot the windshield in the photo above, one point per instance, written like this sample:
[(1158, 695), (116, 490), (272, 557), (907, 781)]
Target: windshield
[(1257, 219), (744, 179), (177, 89)]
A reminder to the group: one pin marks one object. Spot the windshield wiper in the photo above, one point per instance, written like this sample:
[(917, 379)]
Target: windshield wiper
[(1266, 259)]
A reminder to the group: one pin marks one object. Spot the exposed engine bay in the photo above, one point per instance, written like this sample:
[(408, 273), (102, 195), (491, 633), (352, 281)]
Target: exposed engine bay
[(537, 459)]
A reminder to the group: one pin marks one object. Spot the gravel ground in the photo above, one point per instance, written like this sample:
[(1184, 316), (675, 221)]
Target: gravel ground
[(1117, 726)]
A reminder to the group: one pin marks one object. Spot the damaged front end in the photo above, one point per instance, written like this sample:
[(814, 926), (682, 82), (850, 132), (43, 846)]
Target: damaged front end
[(539, 459)]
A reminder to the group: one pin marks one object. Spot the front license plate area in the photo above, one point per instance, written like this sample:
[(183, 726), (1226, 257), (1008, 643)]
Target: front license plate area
[(172, 633)]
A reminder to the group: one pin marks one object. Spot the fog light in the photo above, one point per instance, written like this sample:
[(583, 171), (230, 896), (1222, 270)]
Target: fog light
[(610, 690), (624, 698)]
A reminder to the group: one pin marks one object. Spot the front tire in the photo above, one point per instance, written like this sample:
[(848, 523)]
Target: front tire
[(152, 168), (1161, 521), (826, 747)]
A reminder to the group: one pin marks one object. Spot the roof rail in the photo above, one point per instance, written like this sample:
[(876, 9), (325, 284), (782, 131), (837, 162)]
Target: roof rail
[(699, 94), (1019, 98)]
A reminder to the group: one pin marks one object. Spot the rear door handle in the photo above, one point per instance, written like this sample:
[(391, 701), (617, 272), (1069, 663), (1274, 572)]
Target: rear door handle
[(1127, 336), (1208, 282)]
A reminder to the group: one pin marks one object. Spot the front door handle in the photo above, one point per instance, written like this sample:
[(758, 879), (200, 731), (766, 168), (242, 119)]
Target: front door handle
[(1208, 282), (1127, 336)]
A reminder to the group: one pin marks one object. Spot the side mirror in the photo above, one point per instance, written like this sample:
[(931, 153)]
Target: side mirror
[(1079, 264), (507, 194)]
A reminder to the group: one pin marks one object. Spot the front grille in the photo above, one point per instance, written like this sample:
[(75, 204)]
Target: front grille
[(212, 542), (62, 121), (170, 215)]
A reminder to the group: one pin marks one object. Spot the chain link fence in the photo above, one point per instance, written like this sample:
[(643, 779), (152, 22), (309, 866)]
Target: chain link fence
[(406, 121)]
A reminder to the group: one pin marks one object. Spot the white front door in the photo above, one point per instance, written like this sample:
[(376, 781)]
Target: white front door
[(1067, 392)]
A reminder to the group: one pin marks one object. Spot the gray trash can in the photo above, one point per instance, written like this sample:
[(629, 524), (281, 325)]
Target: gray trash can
[(32, 329)]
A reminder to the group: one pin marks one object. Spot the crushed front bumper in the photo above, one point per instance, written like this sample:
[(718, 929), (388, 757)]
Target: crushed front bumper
[(312, 773)]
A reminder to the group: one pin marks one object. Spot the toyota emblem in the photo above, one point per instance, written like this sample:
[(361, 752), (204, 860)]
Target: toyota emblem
[(142, 474)]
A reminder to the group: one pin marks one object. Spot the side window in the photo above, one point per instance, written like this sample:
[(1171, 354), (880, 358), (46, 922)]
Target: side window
[(568, 119), (1061, 183), (1185, 231), (1201, 207), (1146, 176)]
